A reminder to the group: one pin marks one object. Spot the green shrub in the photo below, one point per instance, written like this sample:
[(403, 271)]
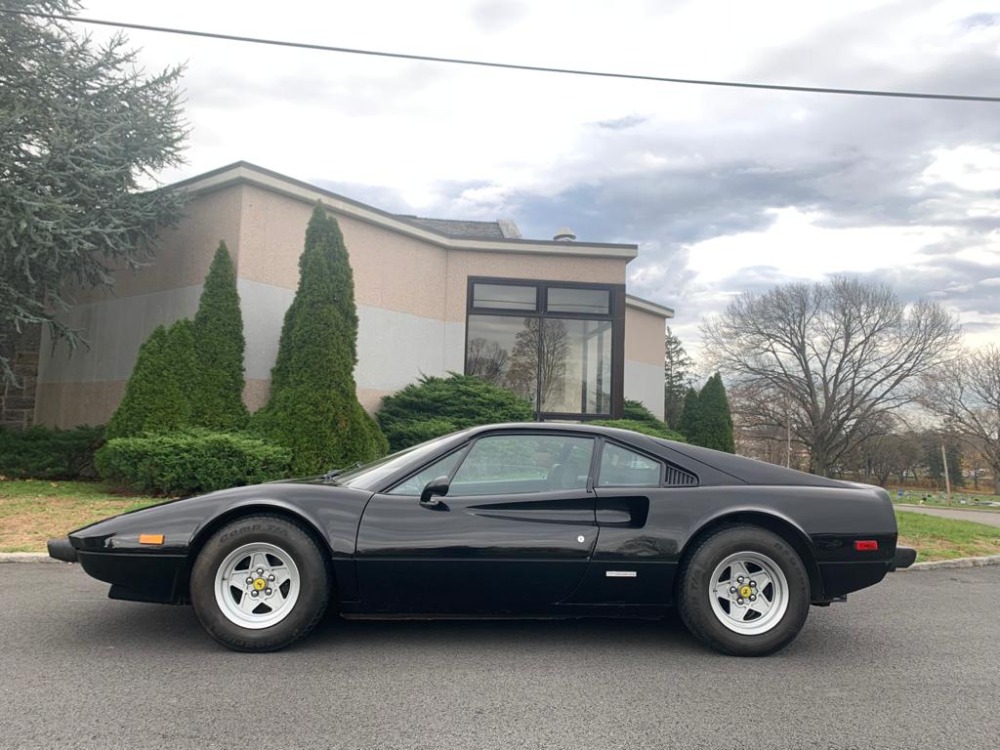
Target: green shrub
[(217, 400), (640, 419), (184, 463), (158, 393), (636, 411), (412, 433), (313, 408), (436, 406), (646, 428), (45, 453)]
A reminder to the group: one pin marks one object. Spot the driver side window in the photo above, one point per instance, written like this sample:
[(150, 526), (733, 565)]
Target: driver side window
[(414, 485), (515, 464)]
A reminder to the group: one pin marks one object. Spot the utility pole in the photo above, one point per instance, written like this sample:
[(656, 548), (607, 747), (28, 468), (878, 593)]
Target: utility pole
[(947, 479), (788, 436)]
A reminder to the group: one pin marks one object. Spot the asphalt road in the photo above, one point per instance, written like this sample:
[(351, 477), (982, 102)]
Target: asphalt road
[(990, 518), (912, 663)]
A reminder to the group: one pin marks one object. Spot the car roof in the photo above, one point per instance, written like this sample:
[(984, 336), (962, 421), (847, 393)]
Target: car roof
[(589, 429), (743, 469)]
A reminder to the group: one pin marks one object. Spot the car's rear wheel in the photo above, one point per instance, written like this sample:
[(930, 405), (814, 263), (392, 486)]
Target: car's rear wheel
[(259, 584), (744, 591)]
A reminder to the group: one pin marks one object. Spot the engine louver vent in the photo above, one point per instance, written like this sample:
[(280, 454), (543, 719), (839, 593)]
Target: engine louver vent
[(679, 478)]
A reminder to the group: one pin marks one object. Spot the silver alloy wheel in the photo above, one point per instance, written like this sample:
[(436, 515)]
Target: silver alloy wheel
[(257, 585), (749, 593)]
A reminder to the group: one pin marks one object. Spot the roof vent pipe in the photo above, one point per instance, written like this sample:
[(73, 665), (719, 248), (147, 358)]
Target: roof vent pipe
[(564, 235)]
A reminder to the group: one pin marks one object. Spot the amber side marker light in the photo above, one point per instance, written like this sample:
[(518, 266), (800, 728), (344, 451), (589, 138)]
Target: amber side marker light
[(866, 545), (150, 538)]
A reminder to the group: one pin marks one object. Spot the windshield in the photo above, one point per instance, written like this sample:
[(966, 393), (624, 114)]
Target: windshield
[(371, 476)]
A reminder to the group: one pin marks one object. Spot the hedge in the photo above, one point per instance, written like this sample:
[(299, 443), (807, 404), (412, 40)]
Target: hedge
[(184, 463), (45, 453)]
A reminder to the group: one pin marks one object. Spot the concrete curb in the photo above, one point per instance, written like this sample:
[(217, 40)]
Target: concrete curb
[(961, 562), (26, 557)]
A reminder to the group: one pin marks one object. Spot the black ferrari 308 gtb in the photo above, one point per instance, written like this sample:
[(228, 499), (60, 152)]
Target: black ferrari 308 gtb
[(516, 520)]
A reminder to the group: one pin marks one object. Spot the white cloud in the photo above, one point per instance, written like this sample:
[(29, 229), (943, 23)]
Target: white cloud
[(718, 186), (969, 167), (802, 249)]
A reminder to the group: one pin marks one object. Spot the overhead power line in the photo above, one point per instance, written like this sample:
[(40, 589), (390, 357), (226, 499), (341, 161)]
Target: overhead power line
[(501, 65)]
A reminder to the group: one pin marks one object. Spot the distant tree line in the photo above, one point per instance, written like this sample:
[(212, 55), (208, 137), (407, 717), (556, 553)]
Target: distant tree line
[(831, 377)]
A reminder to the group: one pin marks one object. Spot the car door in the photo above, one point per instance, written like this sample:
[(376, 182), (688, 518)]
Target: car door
[(513, 534), (636, 557)]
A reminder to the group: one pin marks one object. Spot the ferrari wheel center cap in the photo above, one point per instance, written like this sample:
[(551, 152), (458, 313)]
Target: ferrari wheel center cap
[(259, 584), (745, 591)]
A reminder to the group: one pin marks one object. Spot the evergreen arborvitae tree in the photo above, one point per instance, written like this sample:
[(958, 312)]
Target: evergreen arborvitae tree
[(158, 393), (690, 425), (676, 379), (217, 401), (715, 429), (313, 408)]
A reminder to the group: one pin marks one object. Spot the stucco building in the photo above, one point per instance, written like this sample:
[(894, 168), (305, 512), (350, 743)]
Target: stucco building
[(547, 318)]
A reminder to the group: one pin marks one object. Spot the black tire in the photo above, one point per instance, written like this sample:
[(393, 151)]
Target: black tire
[(696, 584), (302, 614)]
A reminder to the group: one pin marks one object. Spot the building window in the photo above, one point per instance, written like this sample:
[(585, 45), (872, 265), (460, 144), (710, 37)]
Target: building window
[(504, 297), (558, 345)]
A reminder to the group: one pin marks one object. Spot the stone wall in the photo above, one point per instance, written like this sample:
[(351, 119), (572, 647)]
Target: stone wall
[(17, 400)]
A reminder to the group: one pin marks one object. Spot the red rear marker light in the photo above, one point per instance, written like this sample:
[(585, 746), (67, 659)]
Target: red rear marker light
[(866, 545)]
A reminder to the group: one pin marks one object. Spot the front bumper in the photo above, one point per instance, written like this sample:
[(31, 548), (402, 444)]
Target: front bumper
[(61, 549), (903, 558)]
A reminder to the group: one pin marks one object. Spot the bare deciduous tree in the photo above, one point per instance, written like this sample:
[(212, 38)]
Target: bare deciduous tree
[(839, 355), (966, 394), (487, 360)]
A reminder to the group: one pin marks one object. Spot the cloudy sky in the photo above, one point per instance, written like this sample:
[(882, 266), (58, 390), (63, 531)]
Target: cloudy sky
[(724, 190)]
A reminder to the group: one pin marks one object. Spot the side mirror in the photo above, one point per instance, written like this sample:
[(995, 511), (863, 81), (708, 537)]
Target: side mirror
[(433, 489)]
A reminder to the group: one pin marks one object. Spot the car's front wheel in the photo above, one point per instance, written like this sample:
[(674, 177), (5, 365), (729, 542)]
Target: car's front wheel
[(259, 584), (744, 591)]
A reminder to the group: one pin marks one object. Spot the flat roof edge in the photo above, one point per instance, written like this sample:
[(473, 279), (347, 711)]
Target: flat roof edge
[(246, 173), (646, 306)]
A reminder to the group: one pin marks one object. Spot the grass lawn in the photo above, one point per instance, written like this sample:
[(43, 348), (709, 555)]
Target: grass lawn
[(944, 539), (33, 511), (938, 499)]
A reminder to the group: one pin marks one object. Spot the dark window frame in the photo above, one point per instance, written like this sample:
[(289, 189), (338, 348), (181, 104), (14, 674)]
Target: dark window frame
[(616, 315)]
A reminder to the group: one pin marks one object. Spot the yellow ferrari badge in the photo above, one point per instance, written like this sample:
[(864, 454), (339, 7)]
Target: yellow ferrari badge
[(745, 592), (259, 584)]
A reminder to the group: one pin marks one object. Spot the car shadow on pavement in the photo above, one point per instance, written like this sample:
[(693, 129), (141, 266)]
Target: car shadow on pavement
[(128, 624), (457, 635)]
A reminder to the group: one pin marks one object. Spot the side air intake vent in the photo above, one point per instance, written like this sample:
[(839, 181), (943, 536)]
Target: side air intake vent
[(679, 478)]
